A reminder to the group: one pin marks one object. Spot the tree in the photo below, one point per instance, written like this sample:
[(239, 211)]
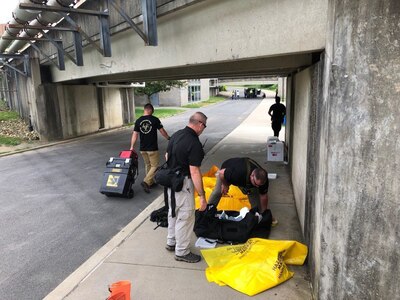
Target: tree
[(154, 87)]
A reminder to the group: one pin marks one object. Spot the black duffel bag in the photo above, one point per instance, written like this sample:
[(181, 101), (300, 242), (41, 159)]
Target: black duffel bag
[(170, 178), (207, 225), (263, 227)]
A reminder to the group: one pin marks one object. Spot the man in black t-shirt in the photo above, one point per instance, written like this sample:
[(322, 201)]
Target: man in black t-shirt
[(248, 176), (277, 112), (185, 151), (146, 127)]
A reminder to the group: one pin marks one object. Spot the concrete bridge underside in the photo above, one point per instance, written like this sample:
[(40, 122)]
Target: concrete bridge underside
[(208, 38), (267, 66), (342, 69)]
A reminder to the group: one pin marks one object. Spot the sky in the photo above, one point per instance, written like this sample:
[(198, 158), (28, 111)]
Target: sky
[(7, 6)]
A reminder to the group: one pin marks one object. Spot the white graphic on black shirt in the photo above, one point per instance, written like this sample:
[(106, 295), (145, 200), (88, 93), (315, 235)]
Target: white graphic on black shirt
[(145, 126)]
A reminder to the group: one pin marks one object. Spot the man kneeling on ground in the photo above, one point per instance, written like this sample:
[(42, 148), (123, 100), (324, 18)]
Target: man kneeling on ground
[(248, 176)]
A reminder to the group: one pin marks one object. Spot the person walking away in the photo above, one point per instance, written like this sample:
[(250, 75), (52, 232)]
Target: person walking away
[(277, 112), (146, 128), (185, 151), (248, 176)]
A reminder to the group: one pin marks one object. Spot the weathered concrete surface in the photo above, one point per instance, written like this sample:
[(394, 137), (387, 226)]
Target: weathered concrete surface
[(300, 138), (357, 226), (68, 111), (211, 32)]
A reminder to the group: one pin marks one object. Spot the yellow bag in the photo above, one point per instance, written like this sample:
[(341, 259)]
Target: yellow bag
[(234, 200), (255, 266)]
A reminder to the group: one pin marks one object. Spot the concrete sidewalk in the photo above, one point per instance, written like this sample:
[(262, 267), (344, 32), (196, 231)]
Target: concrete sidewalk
[(137, 253)]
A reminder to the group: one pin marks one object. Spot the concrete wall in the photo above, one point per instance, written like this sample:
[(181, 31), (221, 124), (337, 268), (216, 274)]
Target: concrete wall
[(174, 97), (204, 89), (79, 110), (112, 108), (179, 96), (288, 128), (239, 30), (67, 111), (358, 184), (301, 112)]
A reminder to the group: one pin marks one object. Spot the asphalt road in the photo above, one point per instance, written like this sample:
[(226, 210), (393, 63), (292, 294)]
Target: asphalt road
[(52, 216)]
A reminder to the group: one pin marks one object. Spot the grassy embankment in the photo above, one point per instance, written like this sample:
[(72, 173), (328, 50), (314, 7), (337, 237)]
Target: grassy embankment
[(7, 115)]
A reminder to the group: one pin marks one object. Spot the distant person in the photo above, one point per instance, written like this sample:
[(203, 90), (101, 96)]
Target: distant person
[(185, 151), (237, 94), (146, 128), (277, 112)]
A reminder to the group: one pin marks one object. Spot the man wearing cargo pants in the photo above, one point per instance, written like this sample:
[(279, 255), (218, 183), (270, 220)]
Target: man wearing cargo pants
[(185, 151), (146, 127)]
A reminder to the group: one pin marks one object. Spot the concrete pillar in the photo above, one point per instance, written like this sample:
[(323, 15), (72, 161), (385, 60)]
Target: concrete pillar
[(128, 105), (359, 185), (33, 83), (282, 88)]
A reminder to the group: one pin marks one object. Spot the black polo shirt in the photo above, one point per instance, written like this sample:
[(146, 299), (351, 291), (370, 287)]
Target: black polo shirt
[(147, 127), (184, 150), (238, 170)]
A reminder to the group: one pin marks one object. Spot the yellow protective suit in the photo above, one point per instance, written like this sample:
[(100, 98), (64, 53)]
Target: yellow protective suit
[(255, 266), (234, 200)]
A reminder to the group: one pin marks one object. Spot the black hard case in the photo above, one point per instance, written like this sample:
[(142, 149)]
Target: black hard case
[(118, 177)]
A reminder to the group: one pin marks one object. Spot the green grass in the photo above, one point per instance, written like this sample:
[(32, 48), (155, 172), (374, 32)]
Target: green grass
[(9, 141), (212, 100), (8, 115), (160, 112)]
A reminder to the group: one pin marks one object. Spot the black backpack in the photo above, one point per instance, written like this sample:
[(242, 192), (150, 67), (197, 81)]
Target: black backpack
[(160, 216)]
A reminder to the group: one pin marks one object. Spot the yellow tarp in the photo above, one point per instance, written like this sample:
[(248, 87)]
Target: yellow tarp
[(234, 200), (255, 266)]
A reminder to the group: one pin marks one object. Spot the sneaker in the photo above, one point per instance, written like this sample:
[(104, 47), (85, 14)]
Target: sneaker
[(189, 258), (145, 187), (274, 222), (170, 248)]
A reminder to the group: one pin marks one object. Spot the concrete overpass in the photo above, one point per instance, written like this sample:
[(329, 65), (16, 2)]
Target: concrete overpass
[(341, 66)]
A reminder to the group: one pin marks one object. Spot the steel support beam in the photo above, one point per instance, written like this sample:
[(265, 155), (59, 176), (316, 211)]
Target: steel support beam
[(18, 26), (129, 21), (57, 9), (28, 39), (61, 63), (86, 36), (60, 48), (149, 12), (13, 68), (105, 36), (78, 48), (25, 57), (103, 16)]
